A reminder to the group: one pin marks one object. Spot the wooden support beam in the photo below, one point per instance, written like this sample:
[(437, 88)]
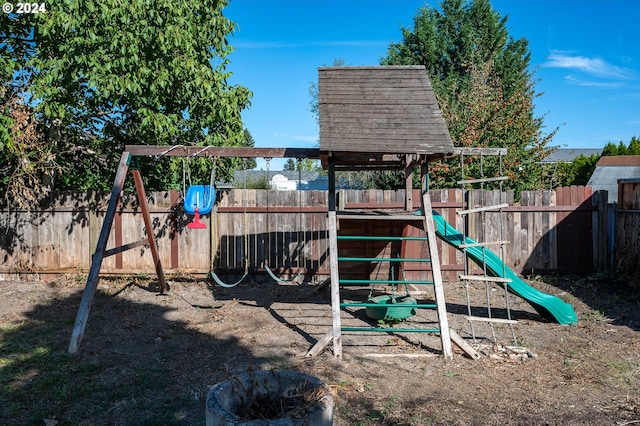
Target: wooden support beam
[(144, 206), (462, 344), (220, 151), (408, 183), (335, 285), (441, 306), (320, 344), (482, 180), (336, 331), (125, 247), (480, 151), (484, 244), (96, 260), (486, 319), (482, 209)]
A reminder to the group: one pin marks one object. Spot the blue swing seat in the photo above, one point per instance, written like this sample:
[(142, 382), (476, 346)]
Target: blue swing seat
[(201, 197)]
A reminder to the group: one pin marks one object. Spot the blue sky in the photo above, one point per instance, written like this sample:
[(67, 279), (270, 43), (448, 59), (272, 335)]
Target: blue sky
[(585, 53)]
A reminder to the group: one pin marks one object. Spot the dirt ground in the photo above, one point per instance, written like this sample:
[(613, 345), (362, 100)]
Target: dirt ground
[(150, 359)]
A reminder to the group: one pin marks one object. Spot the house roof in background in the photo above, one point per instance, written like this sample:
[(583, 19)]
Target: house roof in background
[(619, 160), (567, 155)]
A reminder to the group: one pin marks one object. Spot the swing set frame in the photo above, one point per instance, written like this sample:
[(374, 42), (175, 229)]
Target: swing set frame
[(130, 161)]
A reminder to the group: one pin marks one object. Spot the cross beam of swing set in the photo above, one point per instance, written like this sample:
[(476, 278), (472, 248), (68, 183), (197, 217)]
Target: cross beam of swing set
[(129, 160), (220, 151)]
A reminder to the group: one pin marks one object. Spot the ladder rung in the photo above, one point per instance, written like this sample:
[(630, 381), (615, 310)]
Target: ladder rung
[(482, 209), (486, 243), (485, 278), (379, 238), (382, 259), (391, 330), (388, 305), (367, 282), (498, 320), (482, 180)]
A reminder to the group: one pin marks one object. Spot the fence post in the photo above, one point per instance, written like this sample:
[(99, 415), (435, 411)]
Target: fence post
[(600, 245)]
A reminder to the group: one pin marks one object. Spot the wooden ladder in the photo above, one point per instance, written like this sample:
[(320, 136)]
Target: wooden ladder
[(335, 333), (484, 278)]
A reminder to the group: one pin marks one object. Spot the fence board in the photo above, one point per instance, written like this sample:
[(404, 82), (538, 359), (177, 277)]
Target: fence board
[(627, 238), (61, 236)]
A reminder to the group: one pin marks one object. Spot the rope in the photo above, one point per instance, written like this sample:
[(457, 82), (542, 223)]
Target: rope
[(225, 285), (266, 262), (245, 240)]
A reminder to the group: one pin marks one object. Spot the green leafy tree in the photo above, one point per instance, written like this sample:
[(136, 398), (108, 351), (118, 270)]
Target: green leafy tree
[(482, 79), (26, 159), (621, 148), (634, 146), (610, 149), (249, 142), (303, 164), (576, 172), (289, 165), (103, 74)]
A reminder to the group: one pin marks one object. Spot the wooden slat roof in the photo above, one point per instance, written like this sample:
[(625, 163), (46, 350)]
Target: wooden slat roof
[(371, 112)]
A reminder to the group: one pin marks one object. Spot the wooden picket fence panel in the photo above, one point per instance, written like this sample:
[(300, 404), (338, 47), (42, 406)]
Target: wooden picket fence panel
[(549, 231), (627, 237)]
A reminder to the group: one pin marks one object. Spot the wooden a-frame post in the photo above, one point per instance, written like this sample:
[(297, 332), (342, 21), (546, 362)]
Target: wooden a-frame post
[(101, 252)]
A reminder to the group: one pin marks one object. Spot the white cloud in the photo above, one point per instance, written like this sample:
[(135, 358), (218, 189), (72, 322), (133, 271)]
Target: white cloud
[(595, 67), (590, 83)]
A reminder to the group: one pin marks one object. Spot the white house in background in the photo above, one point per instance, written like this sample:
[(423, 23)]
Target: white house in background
[(285, 180), (282, 183)]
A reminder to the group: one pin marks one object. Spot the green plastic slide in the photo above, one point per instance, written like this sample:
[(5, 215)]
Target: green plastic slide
[(546, 305)]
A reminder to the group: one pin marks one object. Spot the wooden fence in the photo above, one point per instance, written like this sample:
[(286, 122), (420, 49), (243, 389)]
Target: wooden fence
[(550, 231), (627, 234)]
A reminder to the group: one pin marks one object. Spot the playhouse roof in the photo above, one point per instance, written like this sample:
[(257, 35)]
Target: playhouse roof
[(370, 115)]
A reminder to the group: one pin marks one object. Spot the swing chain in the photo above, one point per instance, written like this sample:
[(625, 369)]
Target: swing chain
[(244, 219)]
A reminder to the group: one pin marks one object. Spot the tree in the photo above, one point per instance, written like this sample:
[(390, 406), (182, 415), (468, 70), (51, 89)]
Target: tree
[(302, 164), (610, 149), (576, 172), (621, 148), (634, 146), (25, 156), (101, 75), (485, 89)]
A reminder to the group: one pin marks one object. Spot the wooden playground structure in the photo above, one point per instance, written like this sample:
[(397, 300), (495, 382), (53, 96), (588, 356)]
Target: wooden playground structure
[(372, 119)]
